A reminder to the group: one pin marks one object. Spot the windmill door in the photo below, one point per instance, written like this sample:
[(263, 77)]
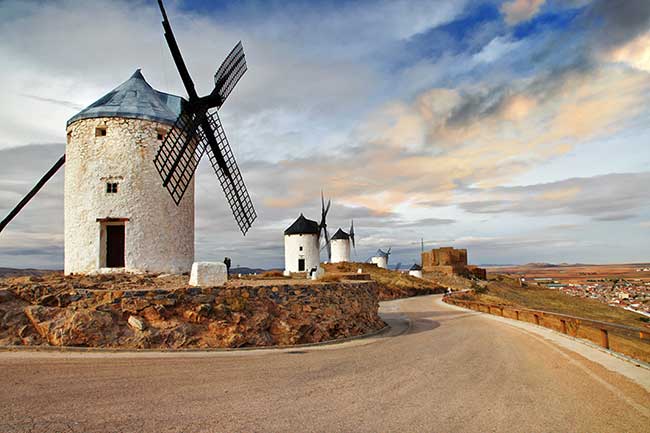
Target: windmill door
[(301, 265), (115, 246)]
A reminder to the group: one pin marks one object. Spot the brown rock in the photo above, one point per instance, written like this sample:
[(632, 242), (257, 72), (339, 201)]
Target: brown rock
[(136, 323)]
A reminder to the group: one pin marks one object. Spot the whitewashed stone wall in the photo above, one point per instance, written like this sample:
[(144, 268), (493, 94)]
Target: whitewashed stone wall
[(292, 252), (159, 236), (340, 250)]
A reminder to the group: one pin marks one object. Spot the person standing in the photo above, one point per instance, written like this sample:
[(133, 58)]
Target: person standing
[(227, 262)]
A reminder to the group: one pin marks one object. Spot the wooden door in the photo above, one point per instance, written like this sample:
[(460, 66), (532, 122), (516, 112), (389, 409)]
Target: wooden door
[(301, 265), (115, 246)]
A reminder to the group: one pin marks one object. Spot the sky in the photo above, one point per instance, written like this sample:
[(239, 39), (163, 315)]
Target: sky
[(519, 130)]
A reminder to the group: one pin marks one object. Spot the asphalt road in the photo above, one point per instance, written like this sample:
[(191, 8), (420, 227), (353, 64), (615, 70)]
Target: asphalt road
[(449, 370)]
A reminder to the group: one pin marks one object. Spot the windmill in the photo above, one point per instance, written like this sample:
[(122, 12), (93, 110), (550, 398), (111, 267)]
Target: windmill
[(385, 254), (198, 130), (339, 245), (381, 258), (323, 233)]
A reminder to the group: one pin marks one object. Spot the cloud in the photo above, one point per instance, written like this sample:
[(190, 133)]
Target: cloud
[(635, 53), (412, 126), (611, 197), (516, 11), (422, 152)]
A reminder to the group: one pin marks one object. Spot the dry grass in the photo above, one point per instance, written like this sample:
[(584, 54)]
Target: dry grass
[(330, 278), (506, 292), (392, 284)]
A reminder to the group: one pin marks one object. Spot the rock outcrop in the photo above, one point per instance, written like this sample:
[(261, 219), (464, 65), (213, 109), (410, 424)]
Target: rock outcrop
[(63, 311)]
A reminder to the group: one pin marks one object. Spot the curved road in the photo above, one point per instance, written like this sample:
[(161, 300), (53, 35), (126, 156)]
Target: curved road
[(443, 370)]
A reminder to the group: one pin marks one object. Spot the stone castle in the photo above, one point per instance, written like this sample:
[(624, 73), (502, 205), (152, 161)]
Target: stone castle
[(450, 261)]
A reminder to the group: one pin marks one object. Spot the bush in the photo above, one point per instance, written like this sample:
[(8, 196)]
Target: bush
[(478, 288)]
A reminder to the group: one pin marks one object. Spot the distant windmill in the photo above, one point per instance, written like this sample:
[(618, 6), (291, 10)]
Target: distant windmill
[(198, 130), (302, 242), (340, 245), (381, 258)]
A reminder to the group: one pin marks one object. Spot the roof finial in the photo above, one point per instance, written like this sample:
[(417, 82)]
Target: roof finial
[(137, 74)]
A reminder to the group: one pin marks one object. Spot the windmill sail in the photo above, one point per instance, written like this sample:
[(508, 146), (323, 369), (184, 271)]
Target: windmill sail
[(229, 73), (197, 130), (178, 157), (225, 167), (47, 176)]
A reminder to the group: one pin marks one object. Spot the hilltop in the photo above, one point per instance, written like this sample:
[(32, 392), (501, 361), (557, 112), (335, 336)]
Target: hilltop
[(392, 284)]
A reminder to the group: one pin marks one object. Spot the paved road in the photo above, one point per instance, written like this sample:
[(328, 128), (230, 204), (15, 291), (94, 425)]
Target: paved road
[(449, 371)]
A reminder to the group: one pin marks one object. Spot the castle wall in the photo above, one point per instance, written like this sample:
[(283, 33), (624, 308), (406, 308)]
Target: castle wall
[(159, 236), (292, 251), (450, 261)]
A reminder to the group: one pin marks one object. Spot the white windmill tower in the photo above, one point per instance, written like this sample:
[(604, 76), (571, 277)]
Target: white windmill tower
[(302, 242), (416, 271), (116, 213), (340, 245), (381, 259)]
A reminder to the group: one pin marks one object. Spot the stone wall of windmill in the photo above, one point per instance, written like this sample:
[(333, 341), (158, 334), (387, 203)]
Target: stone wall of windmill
[(110, 179), (340, 250)]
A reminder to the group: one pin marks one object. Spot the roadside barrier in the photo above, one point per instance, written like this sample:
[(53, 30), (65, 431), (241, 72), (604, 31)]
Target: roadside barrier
[(628, 340)]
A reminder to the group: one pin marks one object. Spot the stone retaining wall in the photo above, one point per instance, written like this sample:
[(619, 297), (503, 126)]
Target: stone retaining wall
[(260, 315)]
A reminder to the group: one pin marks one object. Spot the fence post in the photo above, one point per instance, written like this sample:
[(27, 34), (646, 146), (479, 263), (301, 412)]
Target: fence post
[(604, 338), (536, 319), (501, 308), (564, 330), (517, 314)]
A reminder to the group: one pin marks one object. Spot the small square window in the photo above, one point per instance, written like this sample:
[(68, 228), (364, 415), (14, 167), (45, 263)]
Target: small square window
[(160, 136), (111, 187), (301, 248), (100, 132)]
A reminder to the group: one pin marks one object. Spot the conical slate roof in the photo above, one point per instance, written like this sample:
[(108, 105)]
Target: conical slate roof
[(134, 99), (416, 267), (303, 226), (340, 234)]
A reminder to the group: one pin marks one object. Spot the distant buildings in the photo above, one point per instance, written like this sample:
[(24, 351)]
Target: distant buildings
[(450, 261)]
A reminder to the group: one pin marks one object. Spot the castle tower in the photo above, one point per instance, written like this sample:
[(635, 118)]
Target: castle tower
[(118, 216), (340, 244), (301, 245)]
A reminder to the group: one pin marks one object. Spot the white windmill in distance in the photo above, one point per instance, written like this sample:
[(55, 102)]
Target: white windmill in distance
[(340, 245), (381, 258), (302, 242)]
